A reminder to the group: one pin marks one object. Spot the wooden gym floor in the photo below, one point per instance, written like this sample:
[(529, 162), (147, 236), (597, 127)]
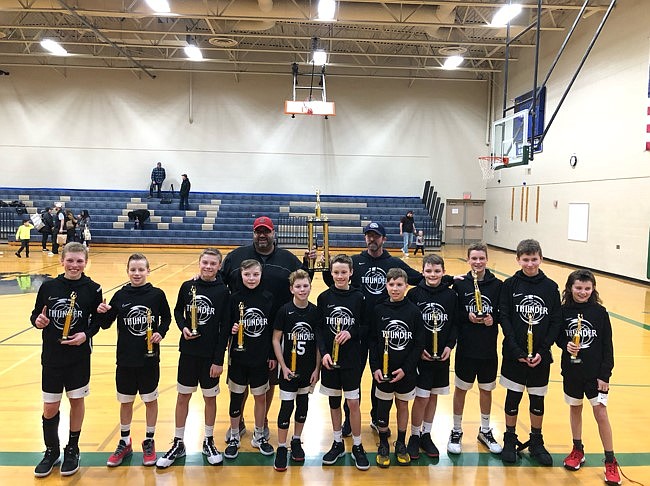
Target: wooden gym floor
[(20, 402)]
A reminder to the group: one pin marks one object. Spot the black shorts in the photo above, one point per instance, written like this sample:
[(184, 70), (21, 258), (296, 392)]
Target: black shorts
[(74, 379), (577, 387), (517, 376), (289, 389), (470, 369), (274, 376), (403, 389), (432, 378), (194, 371), (240, 376), (131, 380), (335, 380)]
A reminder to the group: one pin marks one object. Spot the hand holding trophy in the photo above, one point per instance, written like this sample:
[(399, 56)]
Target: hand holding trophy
[(576, 340)]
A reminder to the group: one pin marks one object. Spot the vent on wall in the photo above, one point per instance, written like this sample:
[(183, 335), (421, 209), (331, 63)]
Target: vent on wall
[(496, 224)]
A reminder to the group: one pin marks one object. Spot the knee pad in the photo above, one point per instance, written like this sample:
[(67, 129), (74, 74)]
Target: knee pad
[(513, 399), (236, 400), (383, 412), (536, 405), (302, 405), (284, 416), (335, 402)]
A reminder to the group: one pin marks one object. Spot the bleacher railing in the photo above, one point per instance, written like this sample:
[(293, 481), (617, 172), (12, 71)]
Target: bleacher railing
[(291, 231), (8, 223)]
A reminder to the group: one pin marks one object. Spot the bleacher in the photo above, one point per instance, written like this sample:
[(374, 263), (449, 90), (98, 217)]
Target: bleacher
[(223, 219)]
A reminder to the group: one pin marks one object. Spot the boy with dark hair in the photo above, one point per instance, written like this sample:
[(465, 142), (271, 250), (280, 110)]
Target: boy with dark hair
[(531, 319), (143, 319), (396, 343), (63, 310), (476, 354), (202, 314), (437, 304), (341, 324)]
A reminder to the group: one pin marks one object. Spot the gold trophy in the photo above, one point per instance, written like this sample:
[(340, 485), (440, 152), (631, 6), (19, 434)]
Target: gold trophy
[(294, 356), (478, 298), (576, 340), (240, 329), (435, 356), (150, 351), (68, 318), (193, 314), (312, 239), (529, 335), (384, 369), (335, 345)]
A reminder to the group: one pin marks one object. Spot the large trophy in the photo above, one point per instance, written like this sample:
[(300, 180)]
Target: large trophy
[(312, 238)]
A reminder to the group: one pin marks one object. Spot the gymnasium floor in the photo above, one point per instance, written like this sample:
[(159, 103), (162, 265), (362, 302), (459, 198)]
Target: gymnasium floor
[(20, 405)]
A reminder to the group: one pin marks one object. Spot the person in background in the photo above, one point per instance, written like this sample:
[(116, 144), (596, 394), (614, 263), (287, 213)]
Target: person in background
[(139, 216), (46, 230), (57, 228), (70, 225), (406, 230), (185, 193), (23, 235), (158, 176), (419, 243), (83, 224)]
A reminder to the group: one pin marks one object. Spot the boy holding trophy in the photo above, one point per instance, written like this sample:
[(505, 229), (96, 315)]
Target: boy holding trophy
[(63, 311), (143, 318)]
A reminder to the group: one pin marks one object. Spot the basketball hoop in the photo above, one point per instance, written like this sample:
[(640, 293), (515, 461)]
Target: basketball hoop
[(488, 163)]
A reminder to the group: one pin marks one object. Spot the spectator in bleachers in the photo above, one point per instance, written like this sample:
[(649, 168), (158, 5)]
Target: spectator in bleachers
[(139, 216), (185, 193), (157, 178)]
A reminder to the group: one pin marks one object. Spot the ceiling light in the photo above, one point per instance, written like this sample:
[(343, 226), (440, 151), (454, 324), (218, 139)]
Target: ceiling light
[(452, 62), (54, 47), (319, 57), (159, 6), (326, 9), (193, 52), (505, 14)]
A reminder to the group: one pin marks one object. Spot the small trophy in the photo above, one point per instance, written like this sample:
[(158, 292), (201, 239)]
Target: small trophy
[(529, 335), (576, 340), (294, 356), (435, 356), (478, 298), (240, 329), (68, 318), (150, 351), (335, 345), (384, 369), (312, 242), (193, 314)]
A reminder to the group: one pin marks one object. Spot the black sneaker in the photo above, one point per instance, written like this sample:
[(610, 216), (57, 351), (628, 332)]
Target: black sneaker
[(297, 452), (346, 430), (70, 460), (383, 457), (263, 445), (413, 447), (427, 445), (538, 451), (360, 457), (51, 458), (280, 463), (232, 450), (337, 450), (401, 454), (167, 459), (509, 452)]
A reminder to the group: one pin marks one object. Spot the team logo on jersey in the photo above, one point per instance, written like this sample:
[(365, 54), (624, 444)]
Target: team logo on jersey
[(343, 316), (374, 280), (58, 311), (587, 331), (254, 322), (136, 320), (398, 333), (204, 309), (302, 331), (429, 310), (486, 305), (531, 308)]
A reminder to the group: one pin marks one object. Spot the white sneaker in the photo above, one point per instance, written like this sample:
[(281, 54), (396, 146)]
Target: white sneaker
[(487, 439), (454, 445), (211, 453)]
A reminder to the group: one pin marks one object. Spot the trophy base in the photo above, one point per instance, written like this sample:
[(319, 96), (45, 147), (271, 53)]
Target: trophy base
[(63, 339), (194, 332), (294, 376), (150, 355), (240, 349), (435, 357), (385, 379), (335, 366), (575, 360)]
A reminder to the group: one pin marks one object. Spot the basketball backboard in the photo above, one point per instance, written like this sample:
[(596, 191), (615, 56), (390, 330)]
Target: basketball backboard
[(510, 139)]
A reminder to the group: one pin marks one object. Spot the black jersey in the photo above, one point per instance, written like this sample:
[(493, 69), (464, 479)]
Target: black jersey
[(343, 308), (596, 347), (440, 301), (478, 340), (130, 306), (258, 326), (529, 298), (56, 295), (301, 323), (213, 318), (401, 322)]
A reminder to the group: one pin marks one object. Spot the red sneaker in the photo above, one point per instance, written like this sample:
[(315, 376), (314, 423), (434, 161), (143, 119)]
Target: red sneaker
[(148, 452), (123, 451), (575, 459), (611, 473)]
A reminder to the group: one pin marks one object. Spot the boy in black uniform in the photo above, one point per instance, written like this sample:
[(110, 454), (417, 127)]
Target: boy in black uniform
[(341, 323), (396, 343), (202, 315), (530, 314), (63, 310), (250, 355), (143, 319), (294, 344), (476, 354), (438, 305)]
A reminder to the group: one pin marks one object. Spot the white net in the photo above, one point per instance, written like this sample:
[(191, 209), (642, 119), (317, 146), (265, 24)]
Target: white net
[(487, 167)]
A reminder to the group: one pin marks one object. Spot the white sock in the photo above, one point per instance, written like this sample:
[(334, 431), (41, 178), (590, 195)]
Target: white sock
[(282, 444), (179, 432), (415, 430), (259, 431), (458, 421), (485, 423), (338, 436), (356, 440), (426, 427), (209, 430)]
